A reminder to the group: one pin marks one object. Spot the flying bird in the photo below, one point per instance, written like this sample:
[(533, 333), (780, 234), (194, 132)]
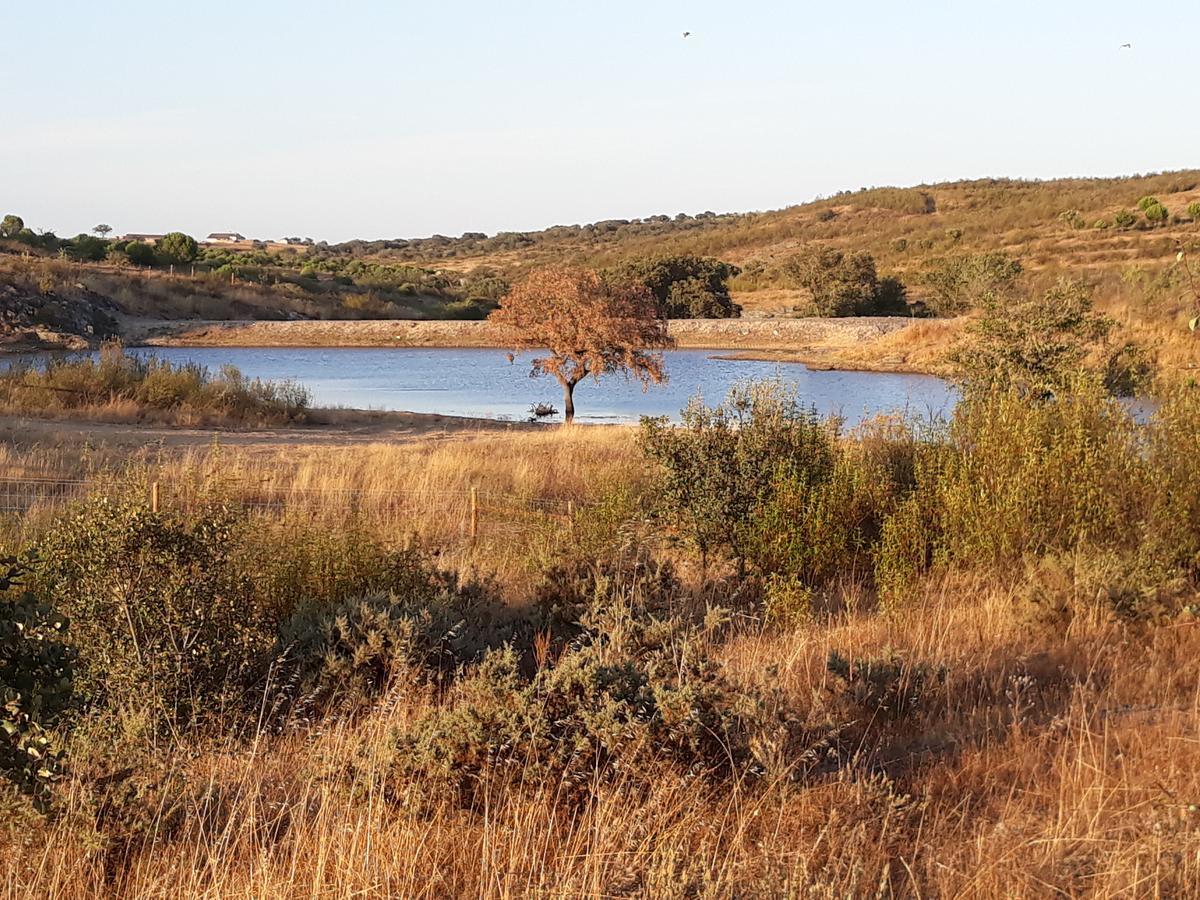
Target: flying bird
[(1127, 46), (687, 34)]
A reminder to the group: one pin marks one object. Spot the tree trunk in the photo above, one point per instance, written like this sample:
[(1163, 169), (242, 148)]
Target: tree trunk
[(568, 402)]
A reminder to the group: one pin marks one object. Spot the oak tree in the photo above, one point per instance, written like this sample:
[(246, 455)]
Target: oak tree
[(586, 325)]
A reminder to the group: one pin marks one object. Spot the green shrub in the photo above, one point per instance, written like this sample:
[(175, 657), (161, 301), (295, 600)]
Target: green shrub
[(957, 284), (140, 254), (686, 287), (787, 601), (631, 694), (36, 682), (1124, 219), (1073, 218), (842, 283), (569, 589), (1033, 345), (342, 656), (177, 247), (11, 226), (1156, 214), (168, 628), (813, 529), (722, 462), (1193, 210), (1147, 202)]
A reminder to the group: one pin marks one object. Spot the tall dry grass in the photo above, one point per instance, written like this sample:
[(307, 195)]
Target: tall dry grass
[(1046, 758), (1047, 765)]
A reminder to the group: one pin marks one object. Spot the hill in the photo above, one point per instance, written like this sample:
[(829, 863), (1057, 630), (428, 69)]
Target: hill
[(1122, 235)]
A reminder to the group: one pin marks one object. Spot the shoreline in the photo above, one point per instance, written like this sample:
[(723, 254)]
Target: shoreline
[(867, 344)]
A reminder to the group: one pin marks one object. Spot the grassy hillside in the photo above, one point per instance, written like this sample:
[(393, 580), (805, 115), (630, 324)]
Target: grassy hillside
[(1092, 229)]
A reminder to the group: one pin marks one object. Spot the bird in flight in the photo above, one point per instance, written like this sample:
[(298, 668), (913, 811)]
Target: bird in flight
[(687, 34), (1127, 46)]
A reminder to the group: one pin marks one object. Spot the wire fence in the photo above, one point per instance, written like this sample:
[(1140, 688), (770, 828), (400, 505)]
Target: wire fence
[(466, 511)]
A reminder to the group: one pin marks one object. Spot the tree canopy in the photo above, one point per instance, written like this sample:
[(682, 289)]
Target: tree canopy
[(11, 226), (1035, 345), (589, 326), (685, 286), (844, 283), (177, 247), (960, 283)]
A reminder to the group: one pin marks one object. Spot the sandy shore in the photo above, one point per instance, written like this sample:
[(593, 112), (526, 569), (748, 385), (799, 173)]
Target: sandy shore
[(888, 344)]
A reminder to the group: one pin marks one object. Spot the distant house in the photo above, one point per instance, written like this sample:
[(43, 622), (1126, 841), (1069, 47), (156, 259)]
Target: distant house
[(144, 238), (224, 237)]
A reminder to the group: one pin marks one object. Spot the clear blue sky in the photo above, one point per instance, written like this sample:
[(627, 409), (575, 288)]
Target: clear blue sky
[(398, 119)]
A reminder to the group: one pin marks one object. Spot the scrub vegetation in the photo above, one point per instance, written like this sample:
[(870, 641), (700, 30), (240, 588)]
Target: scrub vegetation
[(765, 656)]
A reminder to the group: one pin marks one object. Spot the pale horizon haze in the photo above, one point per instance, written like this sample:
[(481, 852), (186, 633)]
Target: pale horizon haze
[(383, 120)]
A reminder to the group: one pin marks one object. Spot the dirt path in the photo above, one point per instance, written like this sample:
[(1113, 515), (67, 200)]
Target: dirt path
[(337, 428)]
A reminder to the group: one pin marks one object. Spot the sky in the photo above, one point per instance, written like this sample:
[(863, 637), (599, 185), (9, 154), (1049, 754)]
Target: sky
[(399, 119)]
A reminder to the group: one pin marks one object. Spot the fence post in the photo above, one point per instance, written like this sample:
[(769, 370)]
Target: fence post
[(154, 496), (474, 513)]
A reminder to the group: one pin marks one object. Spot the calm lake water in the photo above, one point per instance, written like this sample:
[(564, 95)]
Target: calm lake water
[(482, 383)]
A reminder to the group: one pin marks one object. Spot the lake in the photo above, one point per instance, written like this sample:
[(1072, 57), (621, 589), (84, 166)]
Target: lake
[(482, 383)]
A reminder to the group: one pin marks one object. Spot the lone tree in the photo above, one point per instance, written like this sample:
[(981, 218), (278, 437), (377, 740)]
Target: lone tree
[(589, 327), (102, 231), (11, 226)]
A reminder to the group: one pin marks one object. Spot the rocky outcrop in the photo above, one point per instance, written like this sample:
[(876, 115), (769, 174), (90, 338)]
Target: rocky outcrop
[(63, 319)]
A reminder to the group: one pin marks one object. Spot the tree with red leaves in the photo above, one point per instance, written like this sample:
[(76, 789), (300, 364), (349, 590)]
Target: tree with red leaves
[(589, 326)]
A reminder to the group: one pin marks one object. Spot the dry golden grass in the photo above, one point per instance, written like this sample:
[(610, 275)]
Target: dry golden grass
[(1052, 765), (1049, 761), (524, 478)]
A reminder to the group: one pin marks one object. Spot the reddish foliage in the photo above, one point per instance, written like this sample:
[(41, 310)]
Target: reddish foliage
[(589, 326)]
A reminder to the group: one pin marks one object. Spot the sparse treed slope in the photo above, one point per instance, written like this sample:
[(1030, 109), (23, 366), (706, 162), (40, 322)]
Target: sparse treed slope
[(1045, 222), (1081, 228)]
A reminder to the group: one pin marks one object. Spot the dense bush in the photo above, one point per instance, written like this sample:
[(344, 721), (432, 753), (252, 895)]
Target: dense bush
[(1124, 219), (168, 630), (819, 525), (630, 694), (722, 462), (139, 253), (340, 656), (1033, 345), (843, 283), (177, 247), (36, 681), (1017, 479), (957, 284), (686, 287), (11, 226)]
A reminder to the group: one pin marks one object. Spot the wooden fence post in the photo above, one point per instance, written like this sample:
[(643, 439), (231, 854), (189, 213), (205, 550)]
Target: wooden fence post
[(154, 496), (474, 513)]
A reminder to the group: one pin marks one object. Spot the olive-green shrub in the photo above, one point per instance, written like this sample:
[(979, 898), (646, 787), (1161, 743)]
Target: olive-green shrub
[(36, 681), (167, 626)]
